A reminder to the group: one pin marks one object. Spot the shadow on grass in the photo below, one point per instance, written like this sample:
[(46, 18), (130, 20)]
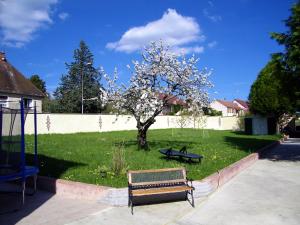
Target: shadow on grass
[(52, 167), (180, 160), (246, 143), (239, 132), (155, 145), (11, 211)]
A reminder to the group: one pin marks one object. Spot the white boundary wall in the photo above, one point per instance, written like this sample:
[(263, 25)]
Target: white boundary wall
[(74, 123)]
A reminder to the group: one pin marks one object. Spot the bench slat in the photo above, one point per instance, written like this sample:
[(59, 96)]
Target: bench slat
[(164, 190), (159, 182)]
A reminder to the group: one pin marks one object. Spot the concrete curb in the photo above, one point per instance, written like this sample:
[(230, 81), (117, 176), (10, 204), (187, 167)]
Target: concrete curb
[(71, 189), (84, 191)]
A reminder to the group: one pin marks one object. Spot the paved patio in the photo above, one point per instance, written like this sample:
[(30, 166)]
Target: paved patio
[(265, 193)]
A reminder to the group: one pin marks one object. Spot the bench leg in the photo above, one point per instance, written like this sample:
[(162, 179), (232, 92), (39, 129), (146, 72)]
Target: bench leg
[(129, 199), (191, 201), (192, 194)]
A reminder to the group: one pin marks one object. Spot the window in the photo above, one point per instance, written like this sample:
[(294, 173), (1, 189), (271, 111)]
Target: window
[(27, 103), (3, 101)]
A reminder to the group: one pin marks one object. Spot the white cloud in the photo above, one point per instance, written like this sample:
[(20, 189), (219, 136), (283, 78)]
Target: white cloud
[(212, 17), (63, 16), (188, 50), (20, 19), (172, 28), (212, 44)]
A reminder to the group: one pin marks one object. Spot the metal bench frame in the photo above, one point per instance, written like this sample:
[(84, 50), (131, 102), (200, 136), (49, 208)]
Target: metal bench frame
[(159, 187)]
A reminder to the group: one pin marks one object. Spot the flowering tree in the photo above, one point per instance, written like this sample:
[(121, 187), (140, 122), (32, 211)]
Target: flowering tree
[(161, 71)]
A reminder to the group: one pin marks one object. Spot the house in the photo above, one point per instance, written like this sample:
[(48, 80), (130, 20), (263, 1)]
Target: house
[(243, 105), (174, 104), (14, 86), (227, 108)]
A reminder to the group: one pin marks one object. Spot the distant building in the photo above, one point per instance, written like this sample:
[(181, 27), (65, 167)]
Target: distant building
[(244, 105), (14, 86), (172, 105), (235, 108)]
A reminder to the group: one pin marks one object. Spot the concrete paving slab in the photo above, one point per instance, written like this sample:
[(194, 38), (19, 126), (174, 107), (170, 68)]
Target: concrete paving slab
[(45, 208), (266, 193), (146, 214)]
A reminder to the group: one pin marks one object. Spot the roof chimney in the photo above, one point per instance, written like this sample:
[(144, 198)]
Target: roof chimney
[(2, 56)]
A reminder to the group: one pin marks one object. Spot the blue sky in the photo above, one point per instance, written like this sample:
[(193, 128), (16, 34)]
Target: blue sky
[(231, 37)]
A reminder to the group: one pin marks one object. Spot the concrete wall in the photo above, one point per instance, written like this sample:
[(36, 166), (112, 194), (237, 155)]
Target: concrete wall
[(74, 123), (230, 123)]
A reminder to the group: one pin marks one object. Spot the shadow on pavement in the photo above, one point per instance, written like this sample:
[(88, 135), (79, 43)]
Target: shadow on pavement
[(288, 151), (10, 204), (159, 199), (10, 197)]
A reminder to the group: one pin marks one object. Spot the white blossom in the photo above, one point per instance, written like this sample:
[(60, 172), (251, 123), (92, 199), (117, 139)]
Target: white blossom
[(160, 71)]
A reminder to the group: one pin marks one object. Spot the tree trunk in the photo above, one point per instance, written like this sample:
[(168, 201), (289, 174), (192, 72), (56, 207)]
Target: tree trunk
[(142, 130), (142, 138)]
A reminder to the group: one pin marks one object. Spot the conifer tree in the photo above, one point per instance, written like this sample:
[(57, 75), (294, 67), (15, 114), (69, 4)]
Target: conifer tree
[(69, 92)]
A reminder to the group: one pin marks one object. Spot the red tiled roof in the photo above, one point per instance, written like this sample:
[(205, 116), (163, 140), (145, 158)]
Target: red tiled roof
[(13, 82), (229, 104), (171, 100), (243, 103)]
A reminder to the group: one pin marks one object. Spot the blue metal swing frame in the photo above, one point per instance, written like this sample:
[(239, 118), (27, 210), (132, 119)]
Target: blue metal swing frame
[(24, 171)]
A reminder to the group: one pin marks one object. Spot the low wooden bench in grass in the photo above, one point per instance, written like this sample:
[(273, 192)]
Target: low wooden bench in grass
[(182, 153), (157, 182)]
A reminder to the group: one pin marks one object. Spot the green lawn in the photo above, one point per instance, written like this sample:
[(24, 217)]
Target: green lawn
[(78, 156)]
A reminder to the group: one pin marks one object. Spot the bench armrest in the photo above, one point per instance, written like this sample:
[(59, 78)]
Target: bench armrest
[(191, 183)]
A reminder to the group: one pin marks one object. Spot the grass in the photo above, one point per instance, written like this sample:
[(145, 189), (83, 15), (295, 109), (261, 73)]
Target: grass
[(78, 156)]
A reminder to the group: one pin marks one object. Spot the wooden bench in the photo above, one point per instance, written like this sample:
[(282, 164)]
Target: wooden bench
[(159, 181)]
